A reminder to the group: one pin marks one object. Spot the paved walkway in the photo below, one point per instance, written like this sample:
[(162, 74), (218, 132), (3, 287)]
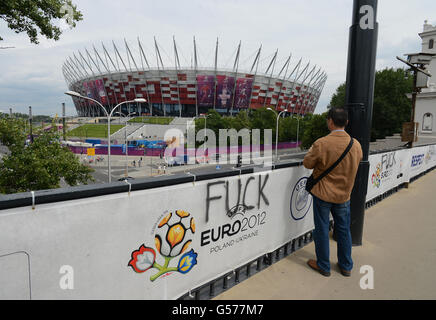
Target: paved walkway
[(399, 244)]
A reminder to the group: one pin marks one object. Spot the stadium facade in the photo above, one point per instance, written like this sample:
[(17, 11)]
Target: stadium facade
[(111, 77)]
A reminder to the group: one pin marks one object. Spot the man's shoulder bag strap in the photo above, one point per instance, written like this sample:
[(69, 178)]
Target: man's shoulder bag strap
[(311, 182)]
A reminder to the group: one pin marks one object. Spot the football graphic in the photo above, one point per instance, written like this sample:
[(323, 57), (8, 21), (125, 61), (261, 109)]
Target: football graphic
[(174, 233)]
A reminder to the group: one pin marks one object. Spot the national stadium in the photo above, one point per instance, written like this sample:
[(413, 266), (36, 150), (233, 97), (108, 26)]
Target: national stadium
[(111, 75)]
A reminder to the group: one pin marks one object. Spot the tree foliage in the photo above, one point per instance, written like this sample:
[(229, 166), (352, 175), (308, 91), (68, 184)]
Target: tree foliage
[(39, 165), (316, 127), (37, 17), (261, 119), (391, 106)]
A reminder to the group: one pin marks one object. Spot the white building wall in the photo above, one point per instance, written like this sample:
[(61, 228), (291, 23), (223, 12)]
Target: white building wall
[(425, 113)]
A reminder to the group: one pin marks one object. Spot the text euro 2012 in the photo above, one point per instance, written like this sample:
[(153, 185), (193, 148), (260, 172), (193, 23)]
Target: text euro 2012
[(229, 230)]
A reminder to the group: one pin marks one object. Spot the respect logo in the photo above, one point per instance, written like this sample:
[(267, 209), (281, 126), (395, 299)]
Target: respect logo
[(172, 238)]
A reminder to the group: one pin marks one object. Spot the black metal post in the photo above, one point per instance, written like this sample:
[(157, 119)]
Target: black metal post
[(362, 51), (30, 124), (414, 95), (64, 129)]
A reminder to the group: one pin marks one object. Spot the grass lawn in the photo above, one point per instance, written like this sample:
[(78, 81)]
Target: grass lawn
[(152, 120), (93, 130)]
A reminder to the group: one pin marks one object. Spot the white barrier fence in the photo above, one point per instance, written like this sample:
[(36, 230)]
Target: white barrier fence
[(161, 243), (391, 169)]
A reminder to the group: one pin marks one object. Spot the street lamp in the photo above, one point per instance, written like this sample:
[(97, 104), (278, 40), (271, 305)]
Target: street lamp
[(204, 144), (277, 126), (125, 138), (298, 126), (109, 115)]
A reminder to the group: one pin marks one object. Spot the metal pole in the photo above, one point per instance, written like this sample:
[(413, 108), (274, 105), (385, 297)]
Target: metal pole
[(64, 130), (236, 65), (362, 50), (177, 65), (277, 133), (30, 124), (298, 128), (158, 58), (284, 78), (204, 150), (196, 83), (273, 64), (412, 117), (256, 62), (127, 150), (109, 171), (216, 68)]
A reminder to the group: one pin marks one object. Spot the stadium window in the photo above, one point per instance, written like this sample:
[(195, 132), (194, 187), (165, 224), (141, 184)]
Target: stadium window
[(431, 44)]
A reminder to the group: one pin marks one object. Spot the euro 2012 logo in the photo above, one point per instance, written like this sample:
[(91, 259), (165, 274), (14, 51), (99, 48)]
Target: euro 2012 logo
[(376, 177), (172, 238)]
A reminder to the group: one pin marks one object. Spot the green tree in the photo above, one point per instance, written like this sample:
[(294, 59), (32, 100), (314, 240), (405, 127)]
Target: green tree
[(288, 127), (37, 17), (37, 166), (264, 119), (338, 98), (391, 106), (315, 127), (261, 119)]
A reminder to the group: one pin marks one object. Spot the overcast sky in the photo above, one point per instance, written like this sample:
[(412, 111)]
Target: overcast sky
[(316, 30)]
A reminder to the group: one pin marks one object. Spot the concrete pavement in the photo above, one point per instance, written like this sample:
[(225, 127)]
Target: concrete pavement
[(399, 244)]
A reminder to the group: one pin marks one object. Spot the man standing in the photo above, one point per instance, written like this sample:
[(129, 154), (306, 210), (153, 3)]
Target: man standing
[(333, 192)]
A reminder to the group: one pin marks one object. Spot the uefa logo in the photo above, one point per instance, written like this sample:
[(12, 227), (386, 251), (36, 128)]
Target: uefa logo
[(301, 200)]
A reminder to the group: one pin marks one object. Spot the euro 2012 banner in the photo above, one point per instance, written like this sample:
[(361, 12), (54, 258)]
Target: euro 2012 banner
[(193, 234), (391, 169), (158, 243), (387, 170), (422, 159)]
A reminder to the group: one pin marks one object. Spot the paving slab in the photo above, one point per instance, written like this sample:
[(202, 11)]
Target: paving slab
[(399, 245)]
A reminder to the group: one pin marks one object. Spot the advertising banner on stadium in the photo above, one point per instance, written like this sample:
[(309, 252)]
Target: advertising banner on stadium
[(243, 92), (224, 92), (205, 90), (87, 89), (99, 85), (93, 91)]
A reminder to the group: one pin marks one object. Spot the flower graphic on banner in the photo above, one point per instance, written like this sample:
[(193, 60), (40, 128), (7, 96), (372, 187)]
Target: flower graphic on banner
[(142, 259), (187, 262), (172, 238), (376, 177)]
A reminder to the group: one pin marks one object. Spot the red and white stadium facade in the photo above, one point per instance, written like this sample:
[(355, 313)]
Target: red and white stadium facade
[(114, 77)]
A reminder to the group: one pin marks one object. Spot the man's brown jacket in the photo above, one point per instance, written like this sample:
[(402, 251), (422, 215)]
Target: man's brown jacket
[(337, 186)]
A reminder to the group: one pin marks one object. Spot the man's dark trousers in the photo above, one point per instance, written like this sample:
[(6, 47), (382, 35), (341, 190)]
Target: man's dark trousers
[(341, 218)]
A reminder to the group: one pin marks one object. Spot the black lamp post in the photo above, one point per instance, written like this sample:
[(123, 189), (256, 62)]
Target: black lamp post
[(362, 51)]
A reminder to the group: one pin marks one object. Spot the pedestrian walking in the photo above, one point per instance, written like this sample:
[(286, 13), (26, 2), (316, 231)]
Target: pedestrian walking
[(335, 160)]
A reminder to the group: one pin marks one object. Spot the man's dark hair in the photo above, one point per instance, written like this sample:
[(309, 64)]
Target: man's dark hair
[(339, 115)]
